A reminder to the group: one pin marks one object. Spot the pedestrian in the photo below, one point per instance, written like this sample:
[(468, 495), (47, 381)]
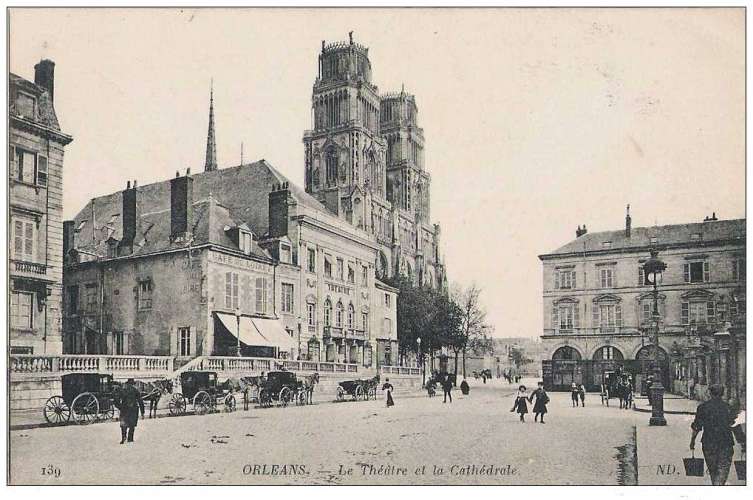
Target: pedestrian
[(574, 394), (542, 399), (129, 403), (582, 394), (521, 405), (715, 420), (464, 387), (447, 387), (388, 388), (483, 376)]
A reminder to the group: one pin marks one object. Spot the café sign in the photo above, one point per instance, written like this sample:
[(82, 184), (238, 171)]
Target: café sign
[(232, 260)]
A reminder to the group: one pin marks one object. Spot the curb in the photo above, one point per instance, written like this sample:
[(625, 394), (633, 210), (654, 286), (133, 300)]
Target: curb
[(668, 412)]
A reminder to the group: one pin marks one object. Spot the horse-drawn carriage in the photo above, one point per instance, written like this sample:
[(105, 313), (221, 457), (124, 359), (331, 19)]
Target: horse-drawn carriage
[(362, 389), (86, 397), (617, 384), (283, 387), (204, 392)]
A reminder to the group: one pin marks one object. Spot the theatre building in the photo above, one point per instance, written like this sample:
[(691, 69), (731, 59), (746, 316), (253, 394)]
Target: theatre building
[(597, 307), (206, 263)]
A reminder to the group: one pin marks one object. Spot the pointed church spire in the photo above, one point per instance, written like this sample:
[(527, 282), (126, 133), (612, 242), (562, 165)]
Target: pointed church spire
[(211, 159)]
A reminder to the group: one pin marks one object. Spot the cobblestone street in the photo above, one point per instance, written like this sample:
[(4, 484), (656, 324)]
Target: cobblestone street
[(318, 444)]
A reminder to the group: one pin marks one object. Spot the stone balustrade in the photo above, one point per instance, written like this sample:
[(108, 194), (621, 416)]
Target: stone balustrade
[(52, 364), (400, 370), (258, 365)]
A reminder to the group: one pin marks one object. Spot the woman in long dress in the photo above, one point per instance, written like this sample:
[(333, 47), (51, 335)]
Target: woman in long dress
[(387, 388), (521, 403)]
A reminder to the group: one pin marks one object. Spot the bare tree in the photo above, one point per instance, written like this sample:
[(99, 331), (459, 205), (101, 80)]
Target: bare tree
[(473, 329)]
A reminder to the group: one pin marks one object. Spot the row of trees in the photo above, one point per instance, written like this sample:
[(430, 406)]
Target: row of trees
[(455, 320)]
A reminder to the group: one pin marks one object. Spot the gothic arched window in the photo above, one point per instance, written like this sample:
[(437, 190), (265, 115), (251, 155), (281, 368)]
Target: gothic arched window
[(351, 314), (327, 312), (331, 166), (339, 315)]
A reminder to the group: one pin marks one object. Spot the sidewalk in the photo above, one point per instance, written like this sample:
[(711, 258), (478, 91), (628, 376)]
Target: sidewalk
[(673, 405), (660, 451)]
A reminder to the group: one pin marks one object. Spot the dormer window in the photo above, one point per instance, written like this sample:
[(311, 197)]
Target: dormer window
[(245, 241), (606, 244), (26, 105), (284, 253), (695, 236)]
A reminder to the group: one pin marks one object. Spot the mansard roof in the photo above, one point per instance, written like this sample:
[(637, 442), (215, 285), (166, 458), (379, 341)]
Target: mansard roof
[(666, 236), (45, 112)]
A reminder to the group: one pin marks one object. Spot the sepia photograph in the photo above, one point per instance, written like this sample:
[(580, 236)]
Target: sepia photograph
[(425, 246)]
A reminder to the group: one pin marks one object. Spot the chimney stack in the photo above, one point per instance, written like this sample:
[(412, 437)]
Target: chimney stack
[(69, 237), (181, 207), (580, 231), (129, 218), (628, 220), (44, 76), (278, 210)]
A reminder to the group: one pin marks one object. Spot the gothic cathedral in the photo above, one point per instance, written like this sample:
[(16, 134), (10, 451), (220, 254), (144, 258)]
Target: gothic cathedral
[(365, 162)]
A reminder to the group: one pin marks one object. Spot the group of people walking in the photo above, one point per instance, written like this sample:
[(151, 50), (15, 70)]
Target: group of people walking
[(578, 392), (522, 399)]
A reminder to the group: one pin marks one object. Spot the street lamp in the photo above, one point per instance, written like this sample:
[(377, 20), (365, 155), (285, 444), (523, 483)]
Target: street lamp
[(421, 360), (652, 267), (238, 331)]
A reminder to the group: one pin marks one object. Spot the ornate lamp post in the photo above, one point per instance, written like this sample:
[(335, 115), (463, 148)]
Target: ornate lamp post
[(652, 267), (421, 360), (238, 331)]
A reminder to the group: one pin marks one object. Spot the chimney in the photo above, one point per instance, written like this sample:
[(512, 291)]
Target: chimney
[(580, 231), (44, 76), (129, 219), (710, 219), (69, 237), (332, 200), (627, 223), (181, 206), (278, 210)]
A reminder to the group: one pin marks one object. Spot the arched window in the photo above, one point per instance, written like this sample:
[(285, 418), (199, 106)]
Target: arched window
[(331, 166), (339, 315), (327, 312), (566, 353), (646, 353), (608, 353), (351, 314)]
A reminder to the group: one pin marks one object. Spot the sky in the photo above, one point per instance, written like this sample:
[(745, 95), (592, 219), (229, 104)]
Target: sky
[(536, 120)]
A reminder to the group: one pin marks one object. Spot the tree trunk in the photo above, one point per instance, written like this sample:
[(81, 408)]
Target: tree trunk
[(463, 362), (456, 366)]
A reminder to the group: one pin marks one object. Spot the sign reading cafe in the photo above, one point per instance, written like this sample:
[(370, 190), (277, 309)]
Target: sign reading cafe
[(234, 261)]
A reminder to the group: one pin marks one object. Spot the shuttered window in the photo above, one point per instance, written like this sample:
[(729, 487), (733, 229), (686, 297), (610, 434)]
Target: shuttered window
[(685, 313), (42, 171), (23, 239), (261, 295)]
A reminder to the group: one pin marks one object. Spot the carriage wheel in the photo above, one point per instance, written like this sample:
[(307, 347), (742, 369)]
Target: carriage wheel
[(85, 408), (107, 413), (230, 403), (265, 400), (340, 393), (56, 411), (202, 403), (285, 396), (359, 393), (177, 404), (372, 392), (300, 398)]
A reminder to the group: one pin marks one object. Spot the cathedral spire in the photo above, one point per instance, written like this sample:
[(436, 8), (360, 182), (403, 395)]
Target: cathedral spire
[(211, 159)]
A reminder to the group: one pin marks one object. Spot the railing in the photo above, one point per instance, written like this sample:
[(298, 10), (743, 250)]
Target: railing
[(610, 330), (258, 365), (32, 363), (400, 370), (29, 267)]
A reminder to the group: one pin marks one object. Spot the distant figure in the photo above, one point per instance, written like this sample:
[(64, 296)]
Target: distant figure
[(574, 394), (483, 376), (715, 420), (464, 388), (128, 401), (542, 398), (582, 394), (388, 388), (521, 405), (447, 387)]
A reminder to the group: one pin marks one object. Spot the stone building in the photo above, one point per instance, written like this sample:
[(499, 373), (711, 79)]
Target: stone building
[(35, 213), (190, 266), (364, 161), (597, 306)]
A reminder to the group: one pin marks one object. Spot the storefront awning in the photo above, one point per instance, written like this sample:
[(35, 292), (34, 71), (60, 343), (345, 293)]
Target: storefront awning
[(258, 332)]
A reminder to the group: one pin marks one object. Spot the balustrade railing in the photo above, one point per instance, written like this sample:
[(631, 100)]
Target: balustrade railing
[(400, 370), (32, 363)]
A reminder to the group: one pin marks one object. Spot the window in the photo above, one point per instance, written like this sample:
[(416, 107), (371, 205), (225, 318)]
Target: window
[(312, 260), (331, 166), (26, 105), (351, 316), (607, 352), (21, 311), (387, 300), (311, 313), (607, 317), (327, 268), (23, 239), (184, 341), (365, 321), (564, 279), (72, 299), (339, 315), (231, 290), (387, 327), (340, 269), (261, 295), (91, 299), (737, 307), (351, 275), (327, 312), (145, 294), (41, 171), (26, 164), (245, 241), (118, 345), (697, 313), (287, 298), (738, 270), (285, 253), (364, 276), (606, 244), (696, 272), (566, 317), (607, 277)]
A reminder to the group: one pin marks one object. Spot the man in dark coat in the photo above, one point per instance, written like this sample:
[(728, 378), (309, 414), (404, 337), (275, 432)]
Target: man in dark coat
[(447, 387), (715, 419), (542, 398), (129, 402)]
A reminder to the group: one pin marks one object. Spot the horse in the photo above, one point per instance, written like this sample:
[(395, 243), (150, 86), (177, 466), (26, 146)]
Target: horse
[(152, 391), (624, 393), (309, 382)]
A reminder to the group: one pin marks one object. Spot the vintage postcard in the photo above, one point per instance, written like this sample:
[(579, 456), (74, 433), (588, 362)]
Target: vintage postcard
[(376, 246)]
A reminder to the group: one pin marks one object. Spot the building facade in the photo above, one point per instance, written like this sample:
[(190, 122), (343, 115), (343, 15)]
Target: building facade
[(364, 161), (35, 155), (597, 306)]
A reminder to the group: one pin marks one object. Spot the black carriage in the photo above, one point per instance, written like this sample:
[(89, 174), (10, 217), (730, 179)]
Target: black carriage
[(86, 398), (283, 387), (204, 393), (358, 389)]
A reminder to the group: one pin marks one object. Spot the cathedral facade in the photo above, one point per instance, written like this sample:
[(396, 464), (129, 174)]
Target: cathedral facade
[(364, 160)]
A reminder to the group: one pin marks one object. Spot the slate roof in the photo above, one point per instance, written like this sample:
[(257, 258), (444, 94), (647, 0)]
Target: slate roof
[(224, 197), (669, 235), (45, 110)]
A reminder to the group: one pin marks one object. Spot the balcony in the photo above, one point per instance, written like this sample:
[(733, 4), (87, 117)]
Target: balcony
[(608, 330), (333, 332), (29, 269)]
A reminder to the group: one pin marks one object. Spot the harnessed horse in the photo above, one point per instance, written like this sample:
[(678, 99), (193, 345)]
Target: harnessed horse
[(309, 382), (152, 392)]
